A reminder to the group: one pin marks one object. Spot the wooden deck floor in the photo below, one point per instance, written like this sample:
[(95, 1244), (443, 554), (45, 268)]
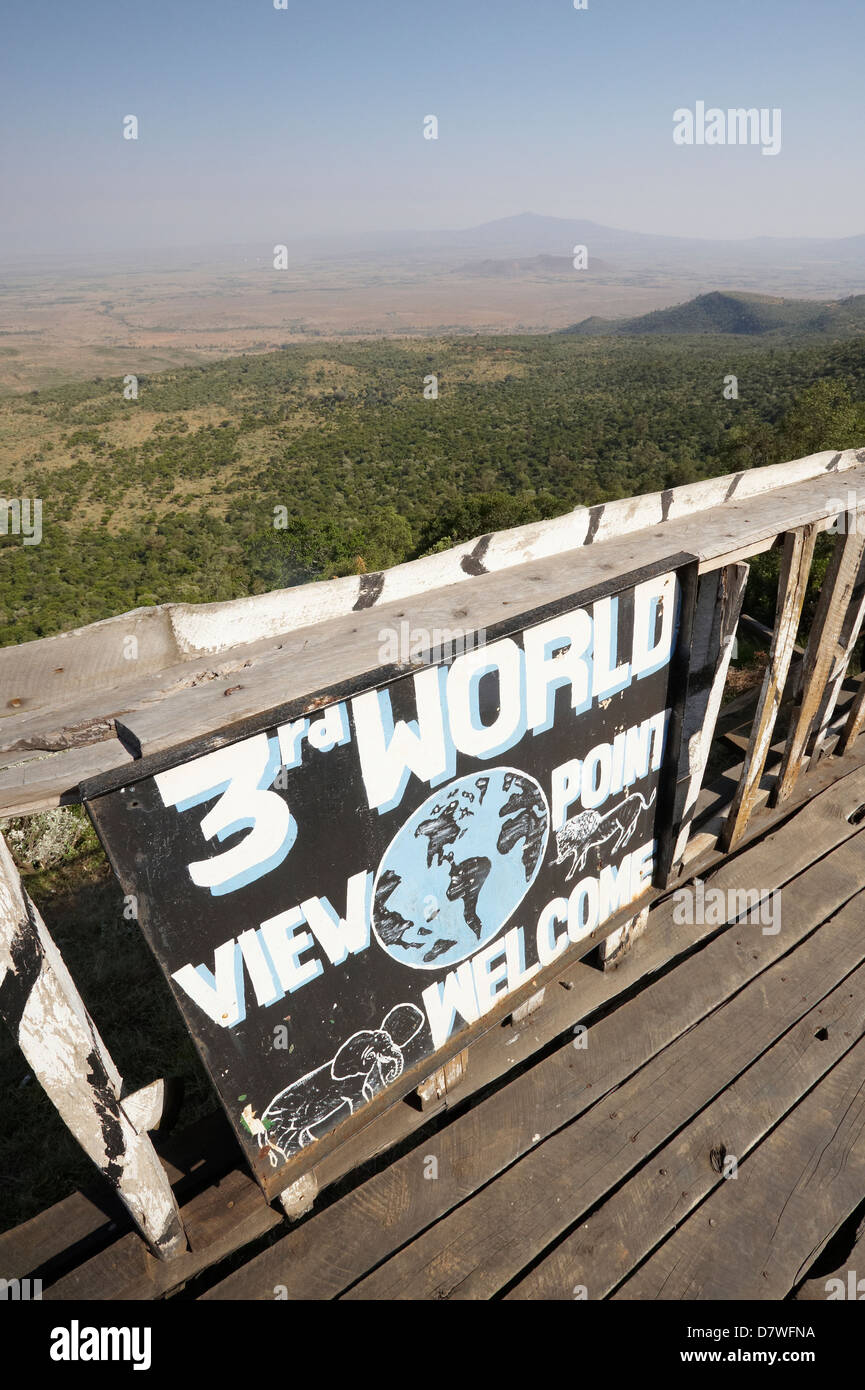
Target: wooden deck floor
[(689, 1126), (704, 1139)]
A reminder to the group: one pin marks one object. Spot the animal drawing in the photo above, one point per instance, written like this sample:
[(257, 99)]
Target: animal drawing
[(589, 830), (364, 1064)]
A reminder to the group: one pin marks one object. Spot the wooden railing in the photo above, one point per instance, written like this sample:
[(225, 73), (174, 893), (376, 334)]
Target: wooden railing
[(157, 680)]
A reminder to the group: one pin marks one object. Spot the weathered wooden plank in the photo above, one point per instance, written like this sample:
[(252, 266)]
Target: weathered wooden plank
[(719, 604), (611, 951), (846, 1281), (203, 1152), (755, 1237), (495, 1052), (40, 714), (855, 719), (40, 783), (249, 679), (579, 990), (714, 799), (489, 1239), (347, 648), (340, 1244), (53, 669), (36, 1245), (221, 1219), (45, 1013), (767, 633), (65, 1234), (87, 718), (792, 586), (822, 651), (444, 1079), (640, 1215), (848, 636)]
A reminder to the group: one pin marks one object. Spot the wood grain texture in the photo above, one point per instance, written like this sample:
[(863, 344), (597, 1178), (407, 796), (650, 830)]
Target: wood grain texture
[(486, 1241), (340, 1244), (219, 1220), (635, 1219), (38, 784), (70, 1231), (300, 641), (348, 648), (36, 1246), (48, 1020), (850, 1274), (855, 719), (719, 604), (53, 669), (754, 1238), (848, 636), (792, 586), (823, 651)]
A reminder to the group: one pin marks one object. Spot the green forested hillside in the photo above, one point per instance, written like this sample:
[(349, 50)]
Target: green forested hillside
[(736, 312), (172, 496)]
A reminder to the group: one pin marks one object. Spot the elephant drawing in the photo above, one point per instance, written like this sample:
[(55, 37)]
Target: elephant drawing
[(365, 1063)]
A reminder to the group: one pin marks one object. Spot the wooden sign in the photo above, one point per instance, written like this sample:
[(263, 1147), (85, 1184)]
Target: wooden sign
[(345, 892)]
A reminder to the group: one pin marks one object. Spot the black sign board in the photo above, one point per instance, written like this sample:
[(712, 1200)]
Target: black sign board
[(345, 891)]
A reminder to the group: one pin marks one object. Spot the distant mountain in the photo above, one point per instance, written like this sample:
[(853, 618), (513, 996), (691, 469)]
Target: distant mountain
[(533, 234), (529, 233), (739, 313), (526, 265), (814, 266)]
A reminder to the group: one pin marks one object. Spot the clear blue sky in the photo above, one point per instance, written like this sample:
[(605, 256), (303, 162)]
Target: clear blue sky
[(259, 124)]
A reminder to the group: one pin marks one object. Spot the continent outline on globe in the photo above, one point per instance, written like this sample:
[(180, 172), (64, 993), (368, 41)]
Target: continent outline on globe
[(432, 909)]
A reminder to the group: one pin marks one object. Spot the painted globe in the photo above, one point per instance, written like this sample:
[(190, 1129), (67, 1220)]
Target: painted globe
[(459, 867)]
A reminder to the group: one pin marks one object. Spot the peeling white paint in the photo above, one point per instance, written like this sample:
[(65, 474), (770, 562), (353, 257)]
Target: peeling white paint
[(59, 1041)]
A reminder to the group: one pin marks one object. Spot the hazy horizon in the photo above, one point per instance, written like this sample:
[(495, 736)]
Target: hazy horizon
[(254, 128), (312, 246), (265, 126)]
